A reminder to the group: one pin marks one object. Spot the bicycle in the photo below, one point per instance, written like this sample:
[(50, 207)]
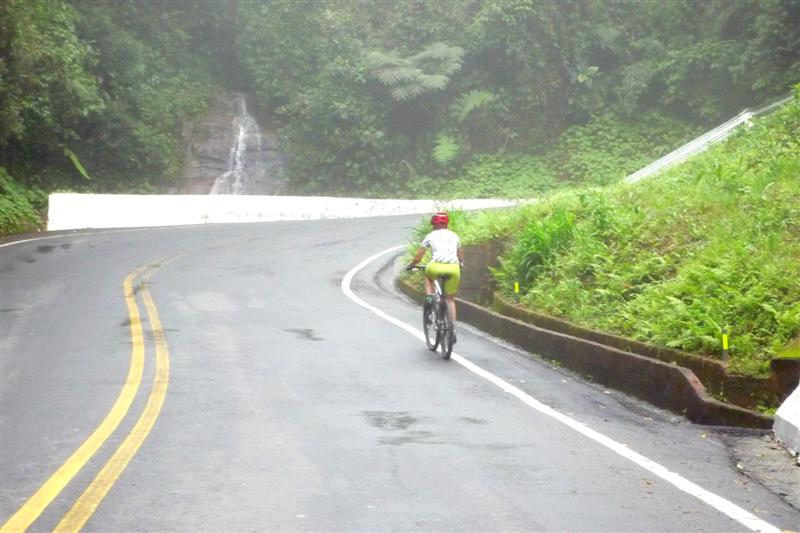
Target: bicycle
[(436, 320)]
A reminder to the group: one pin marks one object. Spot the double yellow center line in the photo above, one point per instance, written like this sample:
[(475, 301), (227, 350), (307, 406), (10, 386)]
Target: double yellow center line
[(91, 498)]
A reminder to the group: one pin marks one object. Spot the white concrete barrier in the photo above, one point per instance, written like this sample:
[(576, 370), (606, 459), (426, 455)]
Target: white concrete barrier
[(787, 423), (81, 211)]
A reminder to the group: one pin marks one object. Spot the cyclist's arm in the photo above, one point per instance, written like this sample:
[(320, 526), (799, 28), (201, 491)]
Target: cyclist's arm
[(418, 257)]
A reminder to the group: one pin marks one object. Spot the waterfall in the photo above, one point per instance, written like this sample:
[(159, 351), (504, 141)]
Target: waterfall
[(252, 168)]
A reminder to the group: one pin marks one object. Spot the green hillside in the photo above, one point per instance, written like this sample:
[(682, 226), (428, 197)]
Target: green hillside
[(672, 260)]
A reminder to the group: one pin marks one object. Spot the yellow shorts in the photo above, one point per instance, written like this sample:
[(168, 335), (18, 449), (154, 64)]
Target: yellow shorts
[(435, 270)]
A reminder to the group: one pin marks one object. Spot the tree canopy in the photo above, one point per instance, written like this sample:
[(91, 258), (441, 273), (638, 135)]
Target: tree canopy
[(371, 97)]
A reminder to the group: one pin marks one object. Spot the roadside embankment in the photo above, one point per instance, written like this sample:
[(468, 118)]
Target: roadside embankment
[(698, 387), (676, 388)]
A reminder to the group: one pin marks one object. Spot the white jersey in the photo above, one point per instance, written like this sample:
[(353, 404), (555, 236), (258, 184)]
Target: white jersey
[(444, 245)]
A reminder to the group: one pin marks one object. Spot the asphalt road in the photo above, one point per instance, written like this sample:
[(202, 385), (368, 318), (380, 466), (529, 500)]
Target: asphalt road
[(269, 400)]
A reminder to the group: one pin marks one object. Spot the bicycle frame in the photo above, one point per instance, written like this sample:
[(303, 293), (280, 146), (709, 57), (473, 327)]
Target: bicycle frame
[(438, 289), (440, 320)]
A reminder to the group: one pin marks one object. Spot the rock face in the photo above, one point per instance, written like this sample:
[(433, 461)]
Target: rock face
[(227, 153)]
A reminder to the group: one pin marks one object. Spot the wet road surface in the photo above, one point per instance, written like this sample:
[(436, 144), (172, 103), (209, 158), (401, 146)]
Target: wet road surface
[(268, 400)]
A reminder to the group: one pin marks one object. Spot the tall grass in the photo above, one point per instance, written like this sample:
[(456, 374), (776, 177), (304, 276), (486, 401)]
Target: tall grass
[(713, 243)]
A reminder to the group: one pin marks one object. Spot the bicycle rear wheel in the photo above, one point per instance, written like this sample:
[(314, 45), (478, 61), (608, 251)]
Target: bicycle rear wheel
[(446, 333), (430, 329)]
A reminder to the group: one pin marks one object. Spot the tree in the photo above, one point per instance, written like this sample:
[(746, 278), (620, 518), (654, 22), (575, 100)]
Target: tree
[(46, 89)]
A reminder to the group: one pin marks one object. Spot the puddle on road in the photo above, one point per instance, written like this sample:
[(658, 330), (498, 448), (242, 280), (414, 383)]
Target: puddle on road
[(412, 437), (47, 248), (470, 420), (398, 421), (329, 243), (391, 420), (307, 334)]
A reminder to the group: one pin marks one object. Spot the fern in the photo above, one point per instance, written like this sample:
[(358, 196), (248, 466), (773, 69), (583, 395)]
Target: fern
[(439, 57), (433, 82), (446, 149), (399, 74), (426, 71), (468, 102)]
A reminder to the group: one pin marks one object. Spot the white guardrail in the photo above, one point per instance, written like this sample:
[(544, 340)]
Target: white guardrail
[(701, 143), (90, 211)]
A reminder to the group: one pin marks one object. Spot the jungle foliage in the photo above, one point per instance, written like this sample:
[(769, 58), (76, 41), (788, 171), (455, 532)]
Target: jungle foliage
[(417, 98), (408, 98), (93, 93), (470, 98)]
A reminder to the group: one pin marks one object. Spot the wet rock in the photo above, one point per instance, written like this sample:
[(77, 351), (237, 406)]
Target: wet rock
[(208, 145), (227, 153)]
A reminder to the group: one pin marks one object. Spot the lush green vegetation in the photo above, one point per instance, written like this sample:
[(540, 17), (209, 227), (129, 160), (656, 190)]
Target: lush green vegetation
[(93, 95), (600, 152), (424, 98), (430, 98), (713, 243), (510, 98), (20, 208)]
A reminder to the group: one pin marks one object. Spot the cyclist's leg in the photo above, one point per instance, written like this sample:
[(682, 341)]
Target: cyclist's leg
[(431, 273), (428, 285), (429, 277), (451, 305), (451, 289)]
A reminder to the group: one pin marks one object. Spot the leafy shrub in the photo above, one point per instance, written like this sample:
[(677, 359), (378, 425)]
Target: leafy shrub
[(20, 209)]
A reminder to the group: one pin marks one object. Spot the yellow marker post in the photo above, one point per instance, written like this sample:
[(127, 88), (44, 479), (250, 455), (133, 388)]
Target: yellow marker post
[(724, 344), (516, 290)]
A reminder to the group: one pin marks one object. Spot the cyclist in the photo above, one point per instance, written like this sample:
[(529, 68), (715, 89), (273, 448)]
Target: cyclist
[(447, 259)]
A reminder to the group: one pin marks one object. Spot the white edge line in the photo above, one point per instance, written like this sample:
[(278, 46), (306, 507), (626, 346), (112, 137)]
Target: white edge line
[(719, 503), (85, 232), (76, 233)]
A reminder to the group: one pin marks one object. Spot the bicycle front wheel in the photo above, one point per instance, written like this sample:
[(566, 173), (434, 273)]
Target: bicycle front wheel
[(446, 333), (430, 329)]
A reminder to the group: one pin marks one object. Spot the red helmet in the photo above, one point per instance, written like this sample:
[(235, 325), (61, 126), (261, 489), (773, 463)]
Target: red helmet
[(440, 218)]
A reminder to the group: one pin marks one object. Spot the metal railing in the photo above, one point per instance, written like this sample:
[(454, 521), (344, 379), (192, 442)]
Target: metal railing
[(701, 143)]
